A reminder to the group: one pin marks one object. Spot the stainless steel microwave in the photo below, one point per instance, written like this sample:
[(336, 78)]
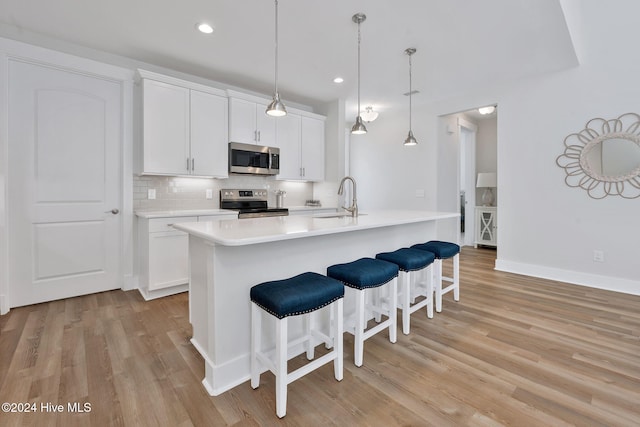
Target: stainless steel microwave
[(253, 159)]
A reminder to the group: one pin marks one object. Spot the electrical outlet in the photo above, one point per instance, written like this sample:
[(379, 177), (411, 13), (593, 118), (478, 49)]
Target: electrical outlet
[(598, 255), (151, 193), (209, 193)]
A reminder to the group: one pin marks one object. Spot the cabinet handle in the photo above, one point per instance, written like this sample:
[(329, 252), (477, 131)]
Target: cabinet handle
[(255, 135), (187, 163), (193, 164), (258, 136)]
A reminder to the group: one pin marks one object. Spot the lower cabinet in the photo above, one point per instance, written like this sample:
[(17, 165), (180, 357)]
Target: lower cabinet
[(486, 226), (164, 255)]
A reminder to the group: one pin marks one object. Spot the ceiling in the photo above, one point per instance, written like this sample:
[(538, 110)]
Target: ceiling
[(460, 44)]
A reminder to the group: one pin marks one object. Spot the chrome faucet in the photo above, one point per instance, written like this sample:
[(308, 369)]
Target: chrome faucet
[(354, 202)]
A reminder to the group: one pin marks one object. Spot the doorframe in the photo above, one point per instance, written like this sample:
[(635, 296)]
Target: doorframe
[(14, 50), (470, 174)]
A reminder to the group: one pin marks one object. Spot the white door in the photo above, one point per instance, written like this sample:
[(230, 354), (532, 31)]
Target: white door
[(65, 139)]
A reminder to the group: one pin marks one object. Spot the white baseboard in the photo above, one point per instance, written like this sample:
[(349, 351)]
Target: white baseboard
[(149, 295), (574, 277), (130, 282), (4, 304)]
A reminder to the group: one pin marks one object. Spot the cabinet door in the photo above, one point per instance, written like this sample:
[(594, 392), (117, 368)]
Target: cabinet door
[(312, 149), (266, 126), (288, 133), (165, 128), (486, 227), (209, 145), (168, 259), (242, 121)]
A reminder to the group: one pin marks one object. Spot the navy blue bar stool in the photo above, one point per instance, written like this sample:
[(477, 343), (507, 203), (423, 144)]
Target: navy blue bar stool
[(299, 295), (444, 250), (360, 275), (411, 261)]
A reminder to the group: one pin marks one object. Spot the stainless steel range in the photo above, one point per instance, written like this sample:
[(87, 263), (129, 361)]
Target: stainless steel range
[(249, 203)]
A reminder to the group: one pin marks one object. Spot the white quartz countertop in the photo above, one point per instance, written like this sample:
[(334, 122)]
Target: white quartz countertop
[(165, 213), (155, 213), (239, 232)]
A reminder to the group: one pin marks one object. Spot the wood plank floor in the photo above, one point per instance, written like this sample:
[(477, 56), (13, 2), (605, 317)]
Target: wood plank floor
[(514, 351)]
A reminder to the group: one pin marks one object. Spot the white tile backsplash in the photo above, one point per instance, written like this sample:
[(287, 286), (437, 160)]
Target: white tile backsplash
[(190, 193)]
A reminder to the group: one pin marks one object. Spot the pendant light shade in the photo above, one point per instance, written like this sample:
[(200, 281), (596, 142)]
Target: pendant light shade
[(411, 140), (276, 108), (359, 127)]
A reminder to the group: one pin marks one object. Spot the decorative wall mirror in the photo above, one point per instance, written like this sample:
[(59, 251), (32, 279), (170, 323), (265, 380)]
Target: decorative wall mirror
[(604, 157)]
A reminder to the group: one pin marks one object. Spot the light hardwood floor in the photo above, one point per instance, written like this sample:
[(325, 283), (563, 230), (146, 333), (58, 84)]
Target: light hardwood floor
[(514, 351)]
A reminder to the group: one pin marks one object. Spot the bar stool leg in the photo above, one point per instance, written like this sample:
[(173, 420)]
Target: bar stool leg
[(406, 298), (456, 277), (337, 341), (438, 284), (429, 274), (281, 367), (359, 329), (393, 310), (256, 332), (307, 319)]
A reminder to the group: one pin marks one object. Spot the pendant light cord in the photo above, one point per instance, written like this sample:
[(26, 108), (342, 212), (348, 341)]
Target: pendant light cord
[(358, 69), (276, 85), (410, 92)]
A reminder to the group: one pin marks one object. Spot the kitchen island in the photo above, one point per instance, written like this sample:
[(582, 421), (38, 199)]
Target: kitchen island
[(229, 256)]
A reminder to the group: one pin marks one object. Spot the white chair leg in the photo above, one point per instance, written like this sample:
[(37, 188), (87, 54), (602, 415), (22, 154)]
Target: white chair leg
[(438, 284), (338, 329), (406, 298), (307, 330), (429, 274), (256, 332), (456, 277), (358, 339), (393, 310), (377, 302), (281, 368)]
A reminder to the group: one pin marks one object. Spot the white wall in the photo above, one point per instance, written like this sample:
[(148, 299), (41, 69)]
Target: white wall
[(545, 228), (390, 175)]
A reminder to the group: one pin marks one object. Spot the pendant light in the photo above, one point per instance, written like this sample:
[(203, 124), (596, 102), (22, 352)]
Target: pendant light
[(276, 108), (410, 138), (359, 128)]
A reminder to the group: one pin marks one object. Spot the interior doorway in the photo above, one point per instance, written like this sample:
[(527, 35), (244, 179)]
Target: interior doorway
[(467, 146), (467, 169)]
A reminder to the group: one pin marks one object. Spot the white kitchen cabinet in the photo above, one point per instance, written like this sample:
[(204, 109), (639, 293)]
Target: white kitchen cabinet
[(301, 142), (184, 130), (312, 149), (288, 140), (486, 226), (163, 254), (209, 141), (249, 124)]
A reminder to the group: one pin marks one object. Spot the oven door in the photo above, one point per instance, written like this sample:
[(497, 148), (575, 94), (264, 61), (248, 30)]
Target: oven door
[(251, 159)]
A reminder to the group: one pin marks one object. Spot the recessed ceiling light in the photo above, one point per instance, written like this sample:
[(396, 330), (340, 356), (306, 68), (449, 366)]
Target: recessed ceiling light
[(204, 28), (338, 80)]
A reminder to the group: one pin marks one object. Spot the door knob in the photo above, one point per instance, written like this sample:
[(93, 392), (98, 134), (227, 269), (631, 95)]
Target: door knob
[(113, 211)]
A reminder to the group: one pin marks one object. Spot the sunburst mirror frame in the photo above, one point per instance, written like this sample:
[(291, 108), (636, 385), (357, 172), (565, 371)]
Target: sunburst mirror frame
[(582, 174)]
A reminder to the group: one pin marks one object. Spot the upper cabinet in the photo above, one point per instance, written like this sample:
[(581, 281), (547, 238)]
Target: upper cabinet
[(301, 142), (184, 129), (249, 124)]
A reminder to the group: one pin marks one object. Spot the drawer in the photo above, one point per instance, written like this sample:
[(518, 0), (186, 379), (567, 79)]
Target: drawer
[(164, 224)]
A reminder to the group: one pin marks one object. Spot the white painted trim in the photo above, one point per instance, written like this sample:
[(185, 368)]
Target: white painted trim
[(144, 74), (19, 51), (615, 284), (149, 295)]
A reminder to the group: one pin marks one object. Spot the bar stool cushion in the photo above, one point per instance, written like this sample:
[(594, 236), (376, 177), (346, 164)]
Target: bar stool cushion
[(442, 250), (300, 294), (364, 273), (408, 259)]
